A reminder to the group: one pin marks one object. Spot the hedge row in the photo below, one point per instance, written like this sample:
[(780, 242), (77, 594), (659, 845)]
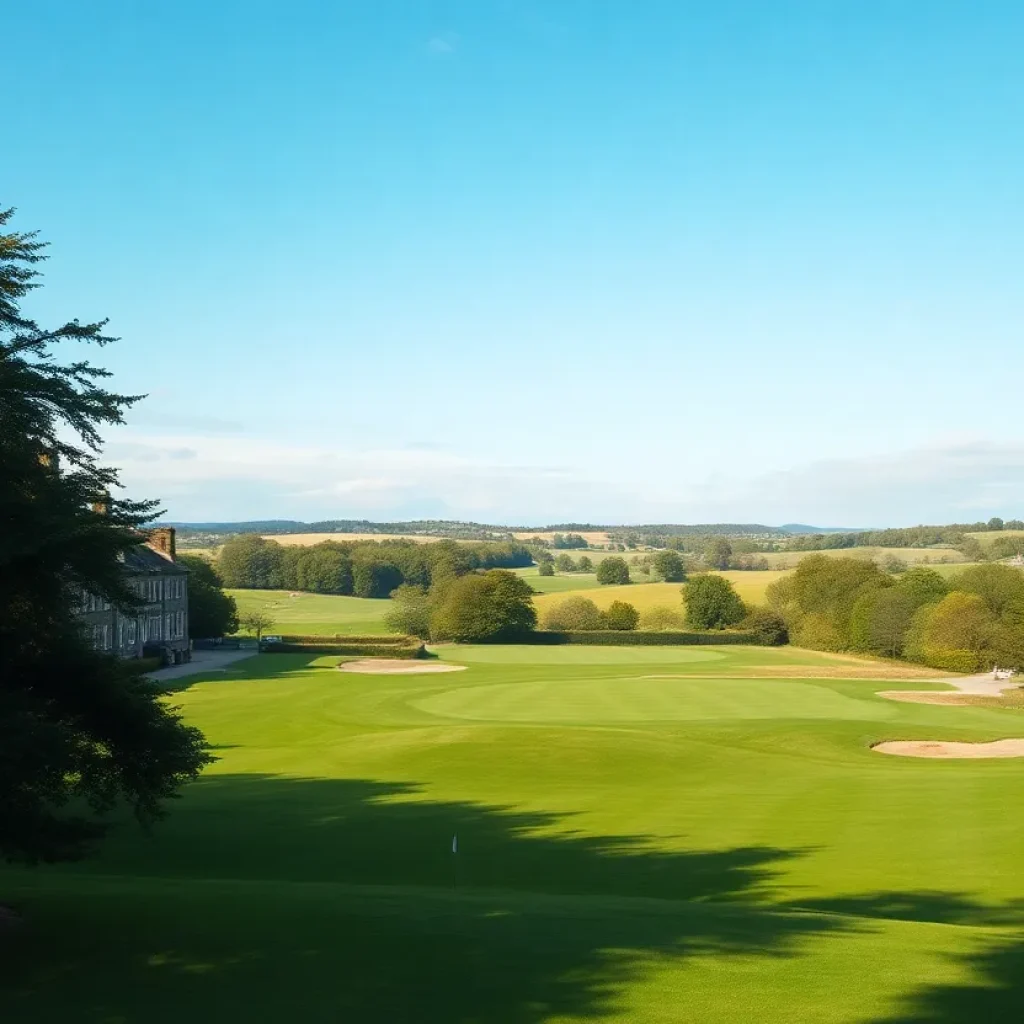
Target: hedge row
[(380, 640), (634, 638), (361, 650)]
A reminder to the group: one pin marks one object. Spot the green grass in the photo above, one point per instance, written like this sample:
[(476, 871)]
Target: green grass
[(646, 835), (314, 614)]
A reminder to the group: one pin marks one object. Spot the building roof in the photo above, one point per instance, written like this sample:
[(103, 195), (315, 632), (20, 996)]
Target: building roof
[(143, 560)]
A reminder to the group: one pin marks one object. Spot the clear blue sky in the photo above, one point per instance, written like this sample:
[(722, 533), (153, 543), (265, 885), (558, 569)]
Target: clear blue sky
[(536, 261)]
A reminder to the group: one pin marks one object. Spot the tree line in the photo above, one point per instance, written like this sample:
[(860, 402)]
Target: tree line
[(967, 623), (357, 568), (954, 536)]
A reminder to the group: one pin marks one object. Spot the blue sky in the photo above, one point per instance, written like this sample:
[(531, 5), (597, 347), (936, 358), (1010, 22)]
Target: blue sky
[(540, 261)]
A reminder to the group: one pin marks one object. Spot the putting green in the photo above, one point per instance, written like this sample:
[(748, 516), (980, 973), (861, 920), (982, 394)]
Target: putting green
[(645, 835), (650, 700)]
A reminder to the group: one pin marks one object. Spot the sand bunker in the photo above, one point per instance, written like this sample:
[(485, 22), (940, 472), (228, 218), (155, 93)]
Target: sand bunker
[(937, 748), (396, 667)]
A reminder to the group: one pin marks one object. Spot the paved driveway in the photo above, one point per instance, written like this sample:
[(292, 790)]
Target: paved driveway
[(202, 661)]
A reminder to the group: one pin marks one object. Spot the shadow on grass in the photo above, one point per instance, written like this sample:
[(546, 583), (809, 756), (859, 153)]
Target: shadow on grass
[(261, 667), (996, 996), (266, 898)]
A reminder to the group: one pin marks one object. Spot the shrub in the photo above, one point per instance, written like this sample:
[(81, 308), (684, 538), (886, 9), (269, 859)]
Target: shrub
[(573, 614), (613, 571), (620, 615), (768, 627), (584, 564), (564, 563), (661, 617), (546, 567)]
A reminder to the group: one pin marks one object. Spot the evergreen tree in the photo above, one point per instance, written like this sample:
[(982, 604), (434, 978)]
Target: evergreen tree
[(79, 731)]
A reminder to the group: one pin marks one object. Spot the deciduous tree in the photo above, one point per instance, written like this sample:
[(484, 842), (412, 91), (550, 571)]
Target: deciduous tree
[(712, 602), (494, 606), (620, 615), (613, 571), (668, 566), (211, 612)]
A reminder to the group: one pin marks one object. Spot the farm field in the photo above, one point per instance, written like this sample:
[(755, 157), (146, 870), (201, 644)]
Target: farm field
[(314, 613), (912, 556), (750, 586), (644, 835)]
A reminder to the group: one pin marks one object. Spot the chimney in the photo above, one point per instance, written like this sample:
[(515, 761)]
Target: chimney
[(162, 541)]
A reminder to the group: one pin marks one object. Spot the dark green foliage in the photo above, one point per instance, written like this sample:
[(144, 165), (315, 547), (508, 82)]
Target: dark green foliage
[(768, 627), (493, 607), (568, 540), (80, 732), (375, 579), (564, 563), (620, 615), (546, 567), (613, 571), (712, 603), (584, 564), (668, 566), (923, 584), (248, 561), (211, 612)]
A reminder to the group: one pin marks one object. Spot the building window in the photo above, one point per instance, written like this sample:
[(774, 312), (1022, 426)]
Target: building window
[(154, 628)]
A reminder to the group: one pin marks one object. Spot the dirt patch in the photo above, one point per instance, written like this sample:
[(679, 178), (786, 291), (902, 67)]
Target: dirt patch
[(939, 748), (397, 667)]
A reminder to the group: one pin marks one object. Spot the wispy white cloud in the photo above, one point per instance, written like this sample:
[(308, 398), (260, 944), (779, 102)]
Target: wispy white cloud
[(206, 477)]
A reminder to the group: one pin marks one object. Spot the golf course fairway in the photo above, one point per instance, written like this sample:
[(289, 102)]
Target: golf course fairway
[(646, 834)]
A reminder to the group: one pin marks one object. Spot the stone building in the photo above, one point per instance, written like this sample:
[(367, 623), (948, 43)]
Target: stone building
[(161, 627)]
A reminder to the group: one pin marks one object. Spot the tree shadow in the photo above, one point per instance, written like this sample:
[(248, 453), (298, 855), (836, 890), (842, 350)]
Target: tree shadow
[(266, 898), (279, 665), (996, 996), (332, 900)]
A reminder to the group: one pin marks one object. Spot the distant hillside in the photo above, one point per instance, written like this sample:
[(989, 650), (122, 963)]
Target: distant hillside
[(803, 528)]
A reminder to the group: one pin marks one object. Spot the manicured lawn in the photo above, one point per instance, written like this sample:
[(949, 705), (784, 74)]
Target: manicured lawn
[(313, 614), (645, 835)]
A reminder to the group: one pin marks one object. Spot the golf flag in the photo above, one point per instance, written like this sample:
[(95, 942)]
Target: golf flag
[(455, 843)]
